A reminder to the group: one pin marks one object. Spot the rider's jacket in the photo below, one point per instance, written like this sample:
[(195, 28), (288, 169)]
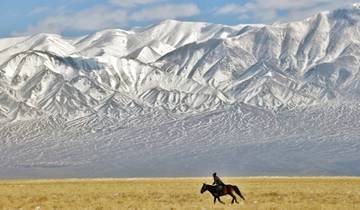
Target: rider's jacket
[(217, 181)]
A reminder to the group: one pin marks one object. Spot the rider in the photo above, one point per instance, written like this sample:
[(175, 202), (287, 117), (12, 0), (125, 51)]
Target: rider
[(217, 182)]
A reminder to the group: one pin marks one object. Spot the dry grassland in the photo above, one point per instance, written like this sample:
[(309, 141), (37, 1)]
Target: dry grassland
[(261, 194)]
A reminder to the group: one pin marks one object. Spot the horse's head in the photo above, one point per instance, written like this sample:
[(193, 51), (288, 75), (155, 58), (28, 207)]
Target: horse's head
[(204, 188)]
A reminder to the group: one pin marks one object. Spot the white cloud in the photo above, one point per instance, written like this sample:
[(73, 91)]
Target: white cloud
[(132, 3), (107, 16), (269, 10), (167, 11), (94, 18), (230, 9)]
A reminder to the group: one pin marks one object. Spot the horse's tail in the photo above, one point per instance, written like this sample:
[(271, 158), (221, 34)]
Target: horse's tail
[(238, 192)]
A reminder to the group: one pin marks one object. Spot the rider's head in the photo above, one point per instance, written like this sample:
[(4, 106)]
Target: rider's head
[(214, 174)]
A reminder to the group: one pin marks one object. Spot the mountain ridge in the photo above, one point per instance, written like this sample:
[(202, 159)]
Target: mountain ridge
[(277, 66)]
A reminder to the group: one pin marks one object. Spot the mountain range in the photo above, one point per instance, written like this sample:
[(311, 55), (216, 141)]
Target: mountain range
[(178, 82)]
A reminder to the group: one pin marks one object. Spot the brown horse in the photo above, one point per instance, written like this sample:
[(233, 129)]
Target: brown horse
[(218, 191)]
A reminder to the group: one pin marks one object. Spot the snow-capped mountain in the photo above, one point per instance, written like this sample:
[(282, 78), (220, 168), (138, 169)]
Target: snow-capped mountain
[(197, 81), (185, 66)]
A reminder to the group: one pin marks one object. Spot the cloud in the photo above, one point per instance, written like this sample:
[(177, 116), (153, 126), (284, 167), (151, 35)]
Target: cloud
[(132, 3), (93, 18), (100, 17), (168, 11), (230, 9), (271, 10)]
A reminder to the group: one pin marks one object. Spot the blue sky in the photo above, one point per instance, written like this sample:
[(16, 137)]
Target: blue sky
[(77, 17)]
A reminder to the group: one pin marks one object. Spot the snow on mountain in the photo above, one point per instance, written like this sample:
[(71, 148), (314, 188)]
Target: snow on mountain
[(112, 42), (278, 66), (186, 32), (113, 93), (40, 69), (311, 56), (151, 52), (7, 42)]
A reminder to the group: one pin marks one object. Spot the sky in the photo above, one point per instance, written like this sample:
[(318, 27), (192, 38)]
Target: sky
[(78, 17)]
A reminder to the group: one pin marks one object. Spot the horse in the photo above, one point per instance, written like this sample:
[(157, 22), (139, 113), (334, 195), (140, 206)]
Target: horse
[(217, 191)]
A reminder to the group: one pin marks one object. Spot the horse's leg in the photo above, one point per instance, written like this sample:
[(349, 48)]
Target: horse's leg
[(220, 200), (233, 198), (230, 192), (214, 199)]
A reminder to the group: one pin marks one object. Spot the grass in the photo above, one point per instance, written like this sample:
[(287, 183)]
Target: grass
[(261, 193)]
